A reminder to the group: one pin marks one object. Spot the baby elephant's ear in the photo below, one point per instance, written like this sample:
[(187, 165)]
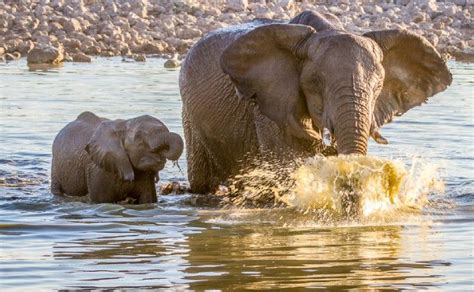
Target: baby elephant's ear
[(414, 71), (107, 151)]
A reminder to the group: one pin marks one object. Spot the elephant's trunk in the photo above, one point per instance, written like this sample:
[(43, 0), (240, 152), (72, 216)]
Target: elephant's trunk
[(169, 144), (352, 124), (351, 120)]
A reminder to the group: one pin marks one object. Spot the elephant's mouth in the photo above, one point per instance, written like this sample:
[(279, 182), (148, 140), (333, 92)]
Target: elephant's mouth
[(152, 163)]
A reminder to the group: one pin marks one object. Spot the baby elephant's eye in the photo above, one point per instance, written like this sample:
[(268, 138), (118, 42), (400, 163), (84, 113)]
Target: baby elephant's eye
[(139, 136)]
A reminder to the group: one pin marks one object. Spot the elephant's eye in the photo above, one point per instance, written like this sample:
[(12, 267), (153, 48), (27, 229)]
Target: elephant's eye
[(139, 136)]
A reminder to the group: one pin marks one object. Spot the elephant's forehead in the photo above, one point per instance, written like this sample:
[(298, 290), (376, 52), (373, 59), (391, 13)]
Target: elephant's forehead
[(145, 122), (348, 42), (150, 126)]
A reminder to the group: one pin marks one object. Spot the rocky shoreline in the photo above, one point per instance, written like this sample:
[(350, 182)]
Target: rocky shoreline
[(78, 29)]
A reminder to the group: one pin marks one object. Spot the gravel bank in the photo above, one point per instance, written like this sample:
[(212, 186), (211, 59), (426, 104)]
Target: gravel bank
[(168, 27)]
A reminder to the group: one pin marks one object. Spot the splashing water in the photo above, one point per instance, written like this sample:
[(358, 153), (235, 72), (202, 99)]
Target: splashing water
[(322, 183)]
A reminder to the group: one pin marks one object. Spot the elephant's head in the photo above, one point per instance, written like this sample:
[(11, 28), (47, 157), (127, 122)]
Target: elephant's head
[(307, 80), (139, 144)]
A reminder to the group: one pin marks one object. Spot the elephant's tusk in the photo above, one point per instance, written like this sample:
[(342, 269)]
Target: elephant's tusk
[(327, 139), (379, 138)]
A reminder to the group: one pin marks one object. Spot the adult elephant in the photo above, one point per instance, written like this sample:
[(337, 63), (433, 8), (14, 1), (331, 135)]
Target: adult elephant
[(274, 87)]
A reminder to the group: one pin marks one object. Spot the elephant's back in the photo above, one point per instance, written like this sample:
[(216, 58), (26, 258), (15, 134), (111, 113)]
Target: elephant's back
[(207, 92), (201, 66), (69, 160), (75, 135)]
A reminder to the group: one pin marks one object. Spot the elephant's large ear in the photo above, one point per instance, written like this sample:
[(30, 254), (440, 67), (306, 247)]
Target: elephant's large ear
[(414, 71), (107, 151), (263, 65)]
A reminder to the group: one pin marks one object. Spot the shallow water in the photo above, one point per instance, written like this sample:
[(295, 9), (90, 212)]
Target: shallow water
[(48, 242)]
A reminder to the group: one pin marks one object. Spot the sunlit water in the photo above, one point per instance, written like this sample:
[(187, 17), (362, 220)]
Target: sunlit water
[(48, 242), (380, 185)]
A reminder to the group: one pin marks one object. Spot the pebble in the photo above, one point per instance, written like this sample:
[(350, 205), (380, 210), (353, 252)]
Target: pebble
[(45, 54), (81, 57), (139, 58), (172, 63), (173, 188), (12, 56)]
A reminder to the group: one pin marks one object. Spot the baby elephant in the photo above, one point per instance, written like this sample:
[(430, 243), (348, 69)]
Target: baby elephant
[(112, 160)]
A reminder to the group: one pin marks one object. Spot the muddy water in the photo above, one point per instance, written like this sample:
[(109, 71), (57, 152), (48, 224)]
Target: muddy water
[(48, 242)]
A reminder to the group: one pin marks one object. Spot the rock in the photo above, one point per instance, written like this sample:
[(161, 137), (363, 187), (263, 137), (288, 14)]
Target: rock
[(419, 17), (57, 3), (139, 58), (429, 6), (81, 57), (172, 188), (463, 2), (40, 10), (54, 27), (172, 63), (260, 10), (71, 44), (450, 10), (289, 4), (139, 7), (13, 56), (236, 5), (153, 48), (402, 2), (25, 47), (107, 53), (433, 39), (68, 58), (124, 50), (188, 33), (373, 9), (45, 54), (467, 57), (72, 25), (92, 50)]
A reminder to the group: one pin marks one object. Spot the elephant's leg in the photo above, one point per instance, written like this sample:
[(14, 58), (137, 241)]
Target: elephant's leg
[(56, 186), (104, 187), (144, 189), (199, 164)]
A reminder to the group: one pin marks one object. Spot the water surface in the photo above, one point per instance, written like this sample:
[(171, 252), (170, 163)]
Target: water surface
[(47, 242)]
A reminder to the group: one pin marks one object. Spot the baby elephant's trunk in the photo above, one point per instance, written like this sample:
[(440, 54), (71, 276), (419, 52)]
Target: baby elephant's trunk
[(169, 144)]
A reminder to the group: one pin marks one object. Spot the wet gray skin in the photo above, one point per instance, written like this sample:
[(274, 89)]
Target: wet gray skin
[(266, 87)]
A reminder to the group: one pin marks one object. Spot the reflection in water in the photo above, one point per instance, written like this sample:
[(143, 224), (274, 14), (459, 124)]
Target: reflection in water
[(49, 242), (44, 67), (213, 255), (268, 257), (259, 256)]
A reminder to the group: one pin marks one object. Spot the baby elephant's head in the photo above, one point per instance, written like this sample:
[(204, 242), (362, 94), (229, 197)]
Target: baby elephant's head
[(140, 144)]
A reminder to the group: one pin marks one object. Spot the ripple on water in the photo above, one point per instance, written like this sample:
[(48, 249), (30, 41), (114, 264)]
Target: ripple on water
[(50, 243)]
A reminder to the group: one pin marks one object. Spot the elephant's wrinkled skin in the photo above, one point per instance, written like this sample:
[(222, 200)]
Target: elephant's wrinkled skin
[(274, 87), (112, 159)]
